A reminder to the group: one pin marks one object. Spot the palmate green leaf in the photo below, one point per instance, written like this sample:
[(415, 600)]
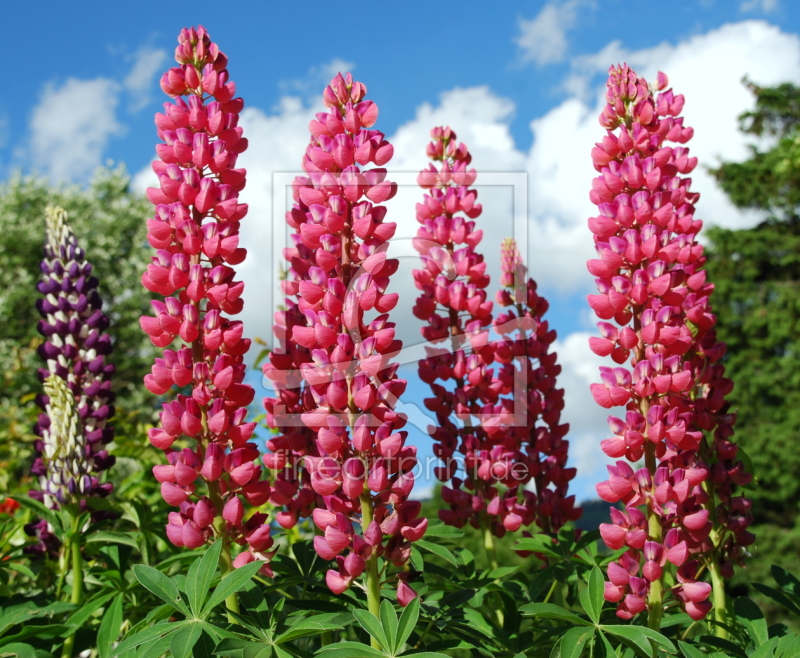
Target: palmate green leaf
[(350, 650), (148, 635), (231, 584), (766, 650), (595, 597), (154, 648), (690, 651), (206, 644), (160, 585), (111, 537), (656, 637), (370, 623), (42, 511), (408, 621), (788, 646), (110, 627), (80, 616), (23, 612), (749, 615), (183, 641), (574, 641), (727, 646), (633, 637), (389, 622), (426, 654), (587, 539), (19, 568), (236, 648), (779, 597), (552, 611), (437, 550), (18, 649), (443, 531), (309, 626), (45, 631), (200, 576), (502, 572), (537, 545)]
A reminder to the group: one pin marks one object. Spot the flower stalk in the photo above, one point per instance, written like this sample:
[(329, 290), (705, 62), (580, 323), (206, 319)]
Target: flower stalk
[(332, 367), (195, 231), (669, 378)]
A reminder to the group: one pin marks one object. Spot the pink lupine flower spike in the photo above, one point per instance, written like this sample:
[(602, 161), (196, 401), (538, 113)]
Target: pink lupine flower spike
[(681, 507), (332, 367), (195, 230)]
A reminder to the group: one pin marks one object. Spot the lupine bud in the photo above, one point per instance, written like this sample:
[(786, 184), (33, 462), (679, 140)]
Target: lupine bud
[(74, 350), (196, 229), (346, 462), (651, 283)]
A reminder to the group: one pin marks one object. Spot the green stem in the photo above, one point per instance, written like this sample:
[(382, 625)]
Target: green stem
[(655, 598), (491, 554), (488, 542), (63, 563), (550, 591), (77, 584), (225, 560), (373, 578), (720, 599)]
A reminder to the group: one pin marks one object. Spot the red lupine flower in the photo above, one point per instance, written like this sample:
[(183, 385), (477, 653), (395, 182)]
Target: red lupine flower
[(196, 233), (669, 377), (340, 444), (473, 409), (526, 340)]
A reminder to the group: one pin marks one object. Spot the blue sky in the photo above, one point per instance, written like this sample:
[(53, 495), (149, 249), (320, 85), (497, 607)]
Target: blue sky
[(521, 84)]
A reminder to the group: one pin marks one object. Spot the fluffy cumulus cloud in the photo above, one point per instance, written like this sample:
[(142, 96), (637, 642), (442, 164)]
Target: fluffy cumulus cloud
[(139, 83), (70, 127), (73, 122), (543, 39)]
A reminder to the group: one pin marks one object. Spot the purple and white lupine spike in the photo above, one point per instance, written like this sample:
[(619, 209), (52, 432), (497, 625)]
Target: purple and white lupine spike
[(75, 350), (68, 472)]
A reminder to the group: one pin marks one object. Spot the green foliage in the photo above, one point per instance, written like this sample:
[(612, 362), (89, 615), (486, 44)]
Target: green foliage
[(770, 178), (756, 273)]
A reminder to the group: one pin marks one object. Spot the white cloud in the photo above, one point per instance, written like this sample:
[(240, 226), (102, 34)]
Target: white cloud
[(147, 62), (764, 6), (71, 126), (543, 39)]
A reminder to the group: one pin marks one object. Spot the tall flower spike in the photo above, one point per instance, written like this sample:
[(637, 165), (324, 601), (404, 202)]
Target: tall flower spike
[(75, 350), (196, 233), (681, 507), (336, 383), (541, 449), (454, 303)]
